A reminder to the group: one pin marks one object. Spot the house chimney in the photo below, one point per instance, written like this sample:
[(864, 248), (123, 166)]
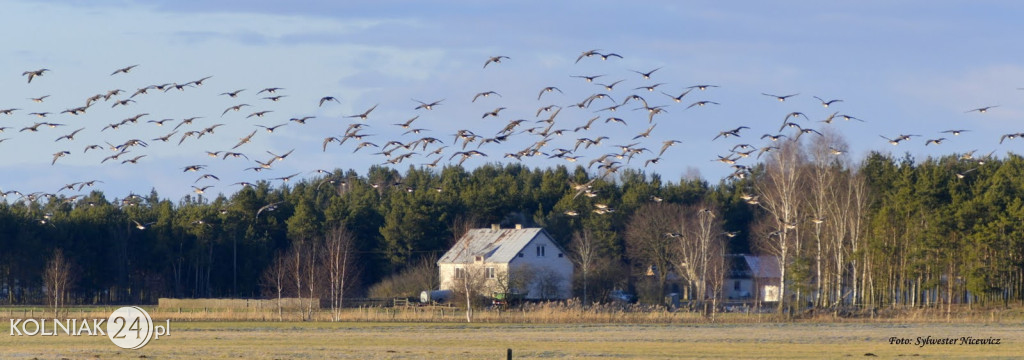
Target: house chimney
[(495, 227), (519, 226)]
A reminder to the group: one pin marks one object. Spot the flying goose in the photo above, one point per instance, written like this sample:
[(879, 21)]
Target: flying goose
[(259, 113), (611, 86), (123, 70), (827, 103), (187, 121), (646, 75), (702, 87), (666, 144), (548, 89), (493, 113), (678, 98), (646, 133), (328, 98), (781, 98), (485, 94), (282, 156), (982, 110), (961, 175), (232, 93), (406, 124), (588, 53), (33, 73), (59, 155), (302, 120), (587, 78), (364, 114), (270, 90), (728, 133), (849, 117), (234, 108), (494, 59), (200, 81), (270, 129), (70, 136), (702, 103), (649, 87), (139, 91), (427, 106), (244, 140), (134, 160)]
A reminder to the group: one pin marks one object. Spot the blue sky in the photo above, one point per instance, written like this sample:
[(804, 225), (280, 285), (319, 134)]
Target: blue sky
[(910, 67)]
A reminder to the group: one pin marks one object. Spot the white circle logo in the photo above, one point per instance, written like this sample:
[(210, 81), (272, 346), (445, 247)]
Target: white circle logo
[(130, 327)]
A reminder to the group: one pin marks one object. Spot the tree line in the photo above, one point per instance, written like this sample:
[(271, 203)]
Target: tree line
[(883, 231)]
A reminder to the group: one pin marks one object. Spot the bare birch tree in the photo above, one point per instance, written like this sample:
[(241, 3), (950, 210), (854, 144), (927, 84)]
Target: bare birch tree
[(338, 260), (699, 250), (312, 272), (858, 190), (57, 279), (470, 280), (274, 278), (779, 190), (584, 254)]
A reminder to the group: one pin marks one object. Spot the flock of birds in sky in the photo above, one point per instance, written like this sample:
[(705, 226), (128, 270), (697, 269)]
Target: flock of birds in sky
[(613, 126)]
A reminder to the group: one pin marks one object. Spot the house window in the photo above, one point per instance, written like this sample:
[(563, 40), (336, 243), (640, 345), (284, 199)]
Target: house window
[(561, 255), (490, 273), (540, 250), (520, 254), (736, 285), (460, 273), (479, 258)]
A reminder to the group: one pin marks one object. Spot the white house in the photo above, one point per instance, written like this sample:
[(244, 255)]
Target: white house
[(752, 278), (518, 261)]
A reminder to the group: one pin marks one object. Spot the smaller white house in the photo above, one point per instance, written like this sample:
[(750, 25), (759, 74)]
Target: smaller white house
[(752, 278), (515, 261)]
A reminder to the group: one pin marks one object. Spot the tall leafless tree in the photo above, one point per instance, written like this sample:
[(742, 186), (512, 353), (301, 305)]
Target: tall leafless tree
[(274, 278), (312, 273), (339, 262), (584, 254), (649, 243), (699, 249), (58, 279), (780, 189)]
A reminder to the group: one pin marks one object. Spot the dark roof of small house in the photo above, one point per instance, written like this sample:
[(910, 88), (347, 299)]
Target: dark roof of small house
[(495, 245), (763, 266)]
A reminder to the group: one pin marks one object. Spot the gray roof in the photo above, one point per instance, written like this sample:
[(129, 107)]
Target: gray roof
[(763, 266), (495, 245)]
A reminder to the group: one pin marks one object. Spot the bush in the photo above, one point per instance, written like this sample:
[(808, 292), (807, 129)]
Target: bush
[(408, 283)]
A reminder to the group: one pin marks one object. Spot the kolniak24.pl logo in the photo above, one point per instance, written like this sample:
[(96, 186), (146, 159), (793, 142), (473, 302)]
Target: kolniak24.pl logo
[(129, 327)]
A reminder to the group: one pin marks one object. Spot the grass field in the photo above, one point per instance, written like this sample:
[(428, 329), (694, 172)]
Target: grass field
[(381, 340)]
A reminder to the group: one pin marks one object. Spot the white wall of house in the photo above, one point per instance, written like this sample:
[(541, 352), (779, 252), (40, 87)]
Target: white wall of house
[(547, 266), (541, 268), (770, 292), (739, 289), (498, 272)]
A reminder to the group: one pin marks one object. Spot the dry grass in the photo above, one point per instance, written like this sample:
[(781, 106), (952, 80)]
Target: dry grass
[(542, 313), (292, 340)]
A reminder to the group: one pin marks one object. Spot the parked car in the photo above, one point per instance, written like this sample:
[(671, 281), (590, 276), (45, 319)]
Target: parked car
[(622, 296)]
